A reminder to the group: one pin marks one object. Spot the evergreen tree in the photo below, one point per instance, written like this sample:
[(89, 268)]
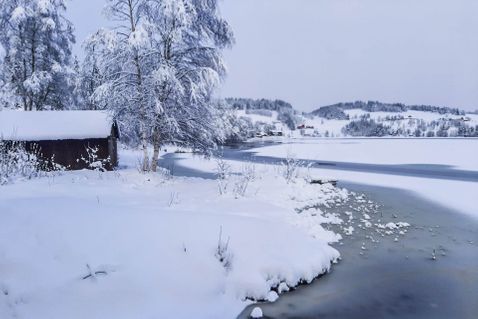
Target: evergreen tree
[(37, 71)]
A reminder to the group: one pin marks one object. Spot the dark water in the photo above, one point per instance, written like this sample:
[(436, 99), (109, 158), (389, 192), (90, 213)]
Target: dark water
[(389, 279), (240, 152), (396, 279), (392, 279)]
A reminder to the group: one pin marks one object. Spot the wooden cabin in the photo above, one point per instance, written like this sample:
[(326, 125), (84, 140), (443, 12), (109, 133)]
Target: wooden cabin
[(67, 137)]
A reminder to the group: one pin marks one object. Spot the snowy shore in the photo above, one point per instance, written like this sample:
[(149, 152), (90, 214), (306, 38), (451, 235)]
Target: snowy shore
[(127, 245), (430, 273)]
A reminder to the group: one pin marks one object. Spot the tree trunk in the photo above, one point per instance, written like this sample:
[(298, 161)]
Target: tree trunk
[(155, 159), (139, 79), (144, 147)]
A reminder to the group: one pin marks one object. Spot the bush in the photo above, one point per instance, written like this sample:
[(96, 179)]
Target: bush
[(17, 162), (290, 167)]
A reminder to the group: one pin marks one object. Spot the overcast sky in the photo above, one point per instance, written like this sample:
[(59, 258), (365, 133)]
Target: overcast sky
[(318, 52)]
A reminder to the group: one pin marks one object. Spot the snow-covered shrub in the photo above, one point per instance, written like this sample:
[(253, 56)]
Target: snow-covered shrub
[(173, 199), (247, 175), (143, 165), (223, 172), (222, 252), (17, 162), (290, 167), (93, 160)]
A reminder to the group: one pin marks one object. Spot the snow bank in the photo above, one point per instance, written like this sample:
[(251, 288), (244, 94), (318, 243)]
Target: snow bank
[(126, 245), (54, 125)]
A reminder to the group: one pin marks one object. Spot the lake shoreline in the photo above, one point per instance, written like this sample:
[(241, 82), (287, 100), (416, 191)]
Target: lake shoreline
[(430, 272)]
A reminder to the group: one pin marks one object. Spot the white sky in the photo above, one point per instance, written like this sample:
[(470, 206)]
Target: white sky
[(318, 52)]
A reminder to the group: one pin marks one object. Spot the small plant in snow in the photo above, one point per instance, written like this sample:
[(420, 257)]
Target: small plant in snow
[(164, 173), (93, 160), (223, 172), (308, 177), (290, 167), (18, 162), (222, 252), (173, 199), (143, 165), (248, 174), (93, 274)]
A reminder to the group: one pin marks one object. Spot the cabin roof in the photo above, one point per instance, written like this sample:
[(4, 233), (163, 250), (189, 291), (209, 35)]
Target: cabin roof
[(55, 125)]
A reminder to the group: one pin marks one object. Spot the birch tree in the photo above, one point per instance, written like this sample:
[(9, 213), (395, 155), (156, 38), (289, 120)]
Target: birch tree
[(161, 65), (123, 56), (190, 37), (37, 39)]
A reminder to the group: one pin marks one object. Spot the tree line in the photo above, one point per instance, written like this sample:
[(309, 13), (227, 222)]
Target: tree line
[(336, 111)]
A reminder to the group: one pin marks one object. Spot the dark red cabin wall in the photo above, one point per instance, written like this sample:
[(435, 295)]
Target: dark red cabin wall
[(68, 153)]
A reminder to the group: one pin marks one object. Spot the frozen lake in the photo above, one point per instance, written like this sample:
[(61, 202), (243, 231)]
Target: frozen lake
[(396, 279), (428, 167), (456, 153), (432, 184), (381, 277)]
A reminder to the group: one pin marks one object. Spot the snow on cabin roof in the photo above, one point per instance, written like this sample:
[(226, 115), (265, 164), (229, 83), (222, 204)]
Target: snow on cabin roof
[(54, 125)]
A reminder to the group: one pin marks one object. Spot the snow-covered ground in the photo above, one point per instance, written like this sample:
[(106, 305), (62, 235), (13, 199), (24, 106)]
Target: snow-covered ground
[(130, 245), (127, 245), (458, 153)]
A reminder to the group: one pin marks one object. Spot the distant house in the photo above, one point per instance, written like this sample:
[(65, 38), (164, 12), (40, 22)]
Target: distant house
[(67, 137)]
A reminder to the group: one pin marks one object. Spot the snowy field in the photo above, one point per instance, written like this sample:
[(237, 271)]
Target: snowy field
[(456, 153), (127, 245)]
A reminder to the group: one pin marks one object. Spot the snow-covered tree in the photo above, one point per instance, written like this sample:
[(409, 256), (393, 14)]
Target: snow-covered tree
[(36, 72), (161, 65), (88, 80)]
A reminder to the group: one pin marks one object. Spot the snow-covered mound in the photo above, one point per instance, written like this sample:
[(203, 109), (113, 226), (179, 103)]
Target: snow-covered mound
[(128, 245)]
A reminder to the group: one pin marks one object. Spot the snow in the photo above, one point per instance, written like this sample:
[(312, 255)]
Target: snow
[(257, 313), (54, 125), (389, 151), (272, 296), (18, 14), (459, 153), (123, 244), (129, 245), (271, 120)]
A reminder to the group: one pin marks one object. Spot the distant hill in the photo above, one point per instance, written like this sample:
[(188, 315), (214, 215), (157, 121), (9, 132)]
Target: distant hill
[(377, 119), (358, 119), (336, 111)]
